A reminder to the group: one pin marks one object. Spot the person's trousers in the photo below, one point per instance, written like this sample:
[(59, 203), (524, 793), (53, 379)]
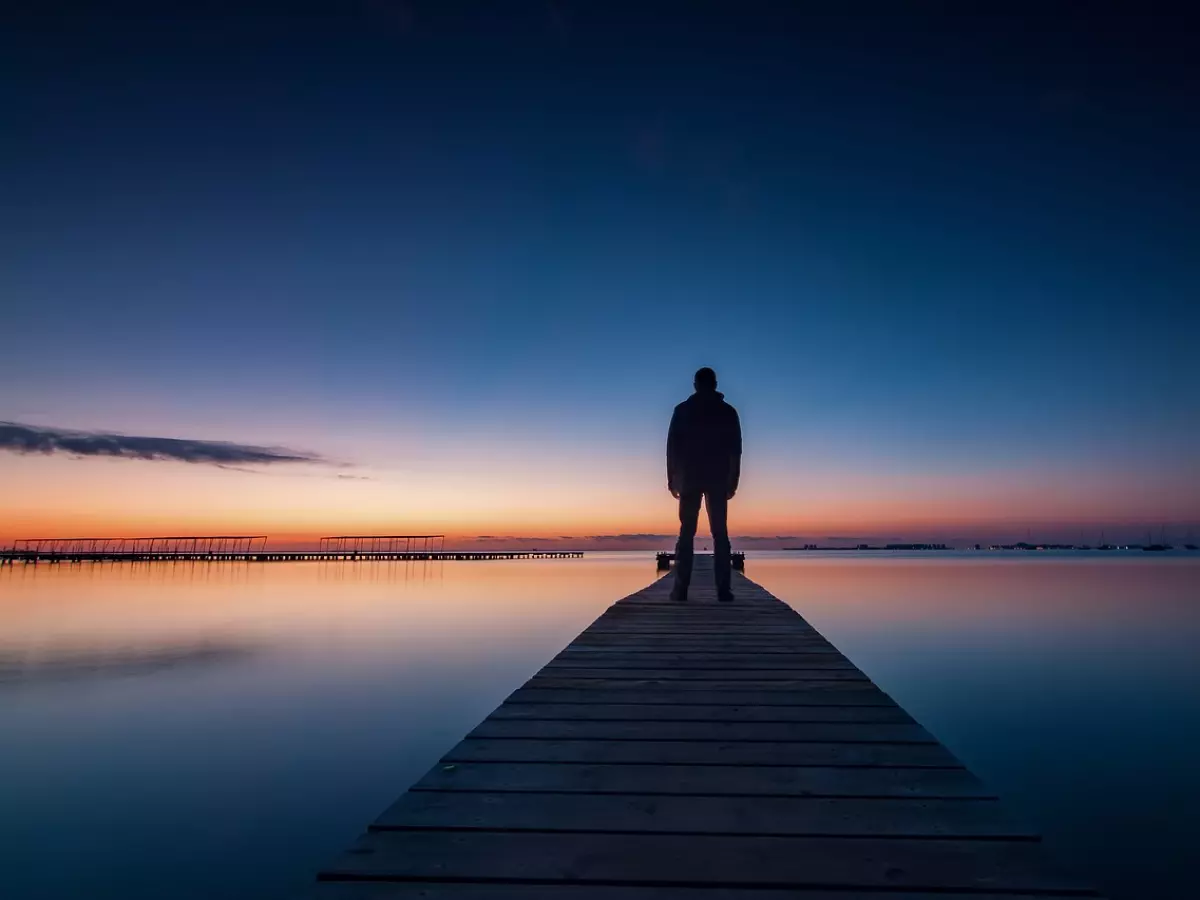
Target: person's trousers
[(717, 504)]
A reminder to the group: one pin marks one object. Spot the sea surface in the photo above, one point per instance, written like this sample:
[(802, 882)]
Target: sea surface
[(193, 730)]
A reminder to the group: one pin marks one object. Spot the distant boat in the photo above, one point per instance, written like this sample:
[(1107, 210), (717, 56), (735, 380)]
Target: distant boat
[(1190, 547), (1161, 544)]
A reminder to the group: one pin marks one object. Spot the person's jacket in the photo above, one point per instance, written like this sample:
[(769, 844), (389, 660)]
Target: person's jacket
[(704, 444)]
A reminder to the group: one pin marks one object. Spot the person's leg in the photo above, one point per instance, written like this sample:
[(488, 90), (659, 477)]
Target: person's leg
[(689, 515), (717, 504)]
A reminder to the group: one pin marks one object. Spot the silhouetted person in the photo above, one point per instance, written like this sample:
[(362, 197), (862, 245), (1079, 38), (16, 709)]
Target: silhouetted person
[(704, 460)]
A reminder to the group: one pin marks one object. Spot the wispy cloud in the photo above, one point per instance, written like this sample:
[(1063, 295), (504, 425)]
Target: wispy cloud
[(27, 439)]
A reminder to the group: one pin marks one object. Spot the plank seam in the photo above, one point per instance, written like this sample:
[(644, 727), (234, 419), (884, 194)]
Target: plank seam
[(958, 798), (798, 722), (592, 704), (1025, 837), (460, 760), (632, 701), (843, 887), (547, 739)]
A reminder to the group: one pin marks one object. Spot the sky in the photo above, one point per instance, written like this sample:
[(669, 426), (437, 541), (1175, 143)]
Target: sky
[(446, 267)]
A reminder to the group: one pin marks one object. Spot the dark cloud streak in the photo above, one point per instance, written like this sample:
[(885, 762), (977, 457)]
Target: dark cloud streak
[(26, 439)]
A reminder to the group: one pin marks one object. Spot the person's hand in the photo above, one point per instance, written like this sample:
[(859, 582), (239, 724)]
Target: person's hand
[(674, 493), (732, 491)]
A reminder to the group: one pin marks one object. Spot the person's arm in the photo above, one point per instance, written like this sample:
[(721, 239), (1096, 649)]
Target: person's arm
[(673, 455), (735, 453)]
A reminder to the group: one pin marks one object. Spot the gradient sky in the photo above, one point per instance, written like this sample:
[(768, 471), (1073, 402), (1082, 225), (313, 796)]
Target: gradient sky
[(470, 254)]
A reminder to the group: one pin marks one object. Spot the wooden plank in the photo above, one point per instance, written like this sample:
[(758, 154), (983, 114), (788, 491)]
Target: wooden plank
[(721, 657), (686, 633), (538, 693), (678, 753), (763, 626), (448, 890), (769, 653), (771, 624), (706, 620), (708, 684), (699, 661), (686, 642), (632, 630), (702, 815), (609, 730), (803, 781), (826, 862), (677, 673), (673, 712), (709, 629), (722, 646), (702, 605)]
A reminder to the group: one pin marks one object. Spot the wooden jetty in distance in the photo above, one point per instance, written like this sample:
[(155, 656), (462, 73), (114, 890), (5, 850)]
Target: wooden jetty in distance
[(698, 751), (253, 548)]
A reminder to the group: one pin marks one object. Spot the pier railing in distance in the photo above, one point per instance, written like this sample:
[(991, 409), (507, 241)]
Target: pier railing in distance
[(253, 548), (383, 543), (186, 545)]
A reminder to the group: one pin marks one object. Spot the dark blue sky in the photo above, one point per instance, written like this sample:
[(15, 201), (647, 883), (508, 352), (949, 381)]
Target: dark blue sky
[(912, 244)]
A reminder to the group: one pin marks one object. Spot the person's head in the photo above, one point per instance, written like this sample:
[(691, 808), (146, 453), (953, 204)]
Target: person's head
[(706, 379)]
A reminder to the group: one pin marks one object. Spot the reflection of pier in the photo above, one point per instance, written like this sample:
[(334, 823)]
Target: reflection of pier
[(253, 548)]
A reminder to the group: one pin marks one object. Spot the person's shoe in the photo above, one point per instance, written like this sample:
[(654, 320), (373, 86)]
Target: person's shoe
[(725, 596), (678, 595)]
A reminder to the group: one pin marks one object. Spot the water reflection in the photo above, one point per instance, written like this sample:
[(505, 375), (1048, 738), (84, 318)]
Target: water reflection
[(1071, 684), (58, 664), (271, 710), (265, 713)]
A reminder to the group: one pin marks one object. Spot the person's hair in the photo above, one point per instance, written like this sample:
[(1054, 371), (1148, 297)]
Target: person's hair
[(706, 378)]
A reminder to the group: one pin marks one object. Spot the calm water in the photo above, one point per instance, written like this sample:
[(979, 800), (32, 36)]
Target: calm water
[(221, 730)]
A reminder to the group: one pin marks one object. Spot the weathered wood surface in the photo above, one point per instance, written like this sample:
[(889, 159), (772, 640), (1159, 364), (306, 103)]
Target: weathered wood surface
[(804, 732), (698, 751), (492, 890), (799, 779), (703, 753), (605, 711), (812, 816)]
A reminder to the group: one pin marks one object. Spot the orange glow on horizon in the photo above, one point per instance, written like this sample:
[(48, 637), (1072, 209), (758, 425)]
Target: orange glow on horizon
[(56, 496)]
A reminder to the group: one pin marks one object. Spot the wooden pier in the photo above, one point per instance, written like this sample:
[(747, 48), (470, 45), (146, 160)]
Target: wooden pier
[(698, 751), (10, 556), (253, 548)]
